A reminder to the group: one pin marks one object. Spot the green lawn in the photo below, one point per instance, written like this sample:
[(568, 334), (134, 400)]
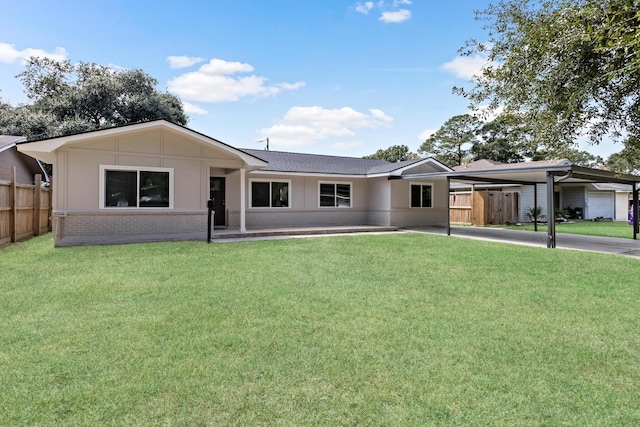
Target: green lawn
[(620, 229), (403, 329)]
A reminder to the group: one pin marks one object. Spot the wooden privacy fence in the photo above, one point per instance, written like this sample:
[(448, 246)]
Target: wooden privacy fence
[(483, 207), (25, 210)]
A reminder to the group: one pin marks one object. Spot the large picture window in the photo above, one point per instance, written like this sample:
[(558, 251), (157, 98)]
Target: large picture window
[(421, 195), (270, 194), (335, 194), (129, 187)]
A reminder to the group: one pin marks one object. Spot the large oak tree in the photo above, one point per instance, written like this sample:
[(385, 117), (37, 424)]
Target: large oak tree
[(68, 98), (568, 67)]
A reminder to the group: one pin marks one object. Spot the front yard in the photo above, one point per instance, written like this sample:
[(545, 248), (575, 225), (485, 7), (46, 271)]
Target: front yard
[(407, 329), (620, 229)]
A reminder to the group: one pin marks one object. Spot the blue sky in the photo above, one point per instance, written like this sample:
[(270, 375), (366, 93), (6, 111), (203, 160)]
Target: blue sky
[(327, 77)]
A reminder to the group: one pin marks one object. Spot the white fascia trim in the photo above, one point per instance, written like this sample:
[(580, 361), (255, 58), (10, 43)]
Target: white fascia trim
[(6, 147), (443, 167), (311, 174)]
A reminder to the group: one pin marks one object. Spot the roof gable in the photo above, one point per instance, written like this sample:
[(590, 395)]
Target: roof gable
[(45, 149)]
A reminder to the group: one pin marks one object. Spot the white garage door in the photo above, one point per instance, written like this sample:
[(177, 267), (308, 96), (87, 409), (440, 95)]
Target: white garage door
[(599, 205)]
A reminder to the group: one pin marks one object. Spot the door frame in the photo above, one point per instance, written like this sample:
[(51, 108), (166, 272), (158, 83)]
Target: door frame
[(219, 205)]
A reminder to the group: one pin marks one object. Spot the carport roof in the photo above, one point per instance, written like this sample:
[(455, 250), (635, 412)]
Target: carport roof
[(535, 172), (530, 173)]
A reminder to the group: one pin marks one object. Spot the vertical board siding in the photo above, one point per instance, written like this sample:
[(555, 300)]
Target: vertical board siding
[(483, 207), (18, 209)]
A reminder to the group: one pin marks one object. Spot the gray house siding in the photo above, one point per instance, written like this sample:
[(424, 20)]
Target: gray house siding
[(11, 157), (527, 200)]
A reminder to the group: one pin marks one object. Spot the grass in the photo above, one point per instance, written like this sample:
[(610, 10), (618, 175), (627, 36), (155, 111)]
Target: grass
[(619, 229), (405, 329)]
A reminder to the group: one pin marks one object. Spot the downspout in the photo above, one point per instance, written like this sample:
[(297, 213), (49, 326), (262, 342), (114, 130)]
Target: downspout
[(551, 217)]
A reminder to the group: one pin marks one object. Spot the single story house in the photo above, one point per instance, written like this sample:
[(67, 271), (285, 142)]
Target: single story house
[(592, 199), (26, 166), (151, 181)]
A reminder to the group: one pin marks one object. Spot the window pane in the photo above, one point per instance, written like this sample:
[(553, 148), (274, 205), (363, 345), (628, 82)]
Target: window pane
[(280, 194), (120, 188), (415, 196), (426, 196), (343, 195), (327, 195), (260, 194), (154, 189)]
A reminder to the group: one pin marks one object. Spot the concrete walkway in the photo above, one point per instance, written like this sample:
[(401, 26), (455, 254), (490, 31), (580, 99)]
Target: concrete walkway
[(610, 245)]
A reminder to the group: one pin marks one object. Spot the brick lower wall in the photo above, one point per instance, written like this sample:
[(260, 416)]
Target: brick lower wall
[(431, 217), (314, 218), (70, 228)]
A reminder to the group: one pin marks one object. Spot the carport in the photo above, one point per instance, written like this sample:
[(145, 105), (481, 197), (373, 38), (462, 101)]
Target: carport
[(551, 174)]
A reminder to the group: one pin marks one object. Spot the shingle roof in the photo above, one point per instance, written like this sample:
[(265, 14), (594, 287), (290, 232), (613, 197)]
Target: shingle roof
[(279, 161)]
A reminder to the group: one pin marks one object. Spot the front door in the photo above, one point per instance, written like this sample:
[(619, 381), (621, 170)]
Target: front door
[(216, 192)]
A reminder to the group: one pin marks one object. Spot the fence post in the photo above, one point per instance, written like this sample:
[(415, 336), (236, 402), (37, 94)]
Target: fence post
[(12, 205), (37, 204)]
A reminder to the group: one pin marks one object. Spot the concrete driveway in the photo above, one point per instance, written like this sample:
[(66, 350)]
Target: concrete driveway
[(610, 245)]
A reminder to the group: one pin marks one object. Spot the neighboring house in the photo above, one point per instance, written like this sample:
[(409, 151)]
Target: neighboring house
[(26, 167), (151, 181), (594, 200)]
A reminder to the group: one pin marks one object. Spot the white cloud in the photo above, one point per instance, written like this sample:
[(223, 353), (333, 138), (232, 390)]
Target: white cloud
[(290, 86), (364, 7), (9, 54), (215, 82), (193, 109), (395, 17), (222, 67), (183, 61), (397, 3), (115, 67), (424, 135), (304, 125), (465, 67)]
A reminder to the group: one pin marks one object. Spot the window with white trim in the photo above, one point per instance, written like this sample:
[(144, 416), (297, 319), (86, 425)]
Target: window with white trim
[(335, 194), (421, 195), (270, 194), (133, 187)]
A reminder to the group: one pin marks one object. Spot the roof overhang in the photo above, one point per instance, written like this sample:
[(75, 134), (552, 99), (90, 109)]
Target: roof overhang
[(45, 149)]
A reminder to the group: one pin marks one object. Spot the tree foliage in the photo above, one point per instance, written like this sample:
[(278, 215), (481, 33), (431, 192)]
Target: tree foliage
[(70, 98), (395, 153), (451, 143), (569, 67), (626, 161), (503, 139)]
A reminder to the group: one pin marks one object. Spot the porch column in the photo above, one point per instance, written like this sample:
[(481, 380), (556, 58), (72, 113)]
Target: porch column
[(634, 209), (448, 206), (243, 200), (551, 216), (535, 206)]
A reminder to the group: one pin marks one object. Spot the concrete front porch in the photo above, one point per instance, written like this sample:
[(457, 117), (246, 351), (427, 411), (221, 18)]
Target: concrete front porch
[(230, 235)]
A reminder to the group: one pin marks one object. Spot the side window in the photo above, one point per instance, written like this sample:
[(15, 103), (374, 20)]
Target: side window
[(125, 187), (421, 195), (335, 194), (270, 194)]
